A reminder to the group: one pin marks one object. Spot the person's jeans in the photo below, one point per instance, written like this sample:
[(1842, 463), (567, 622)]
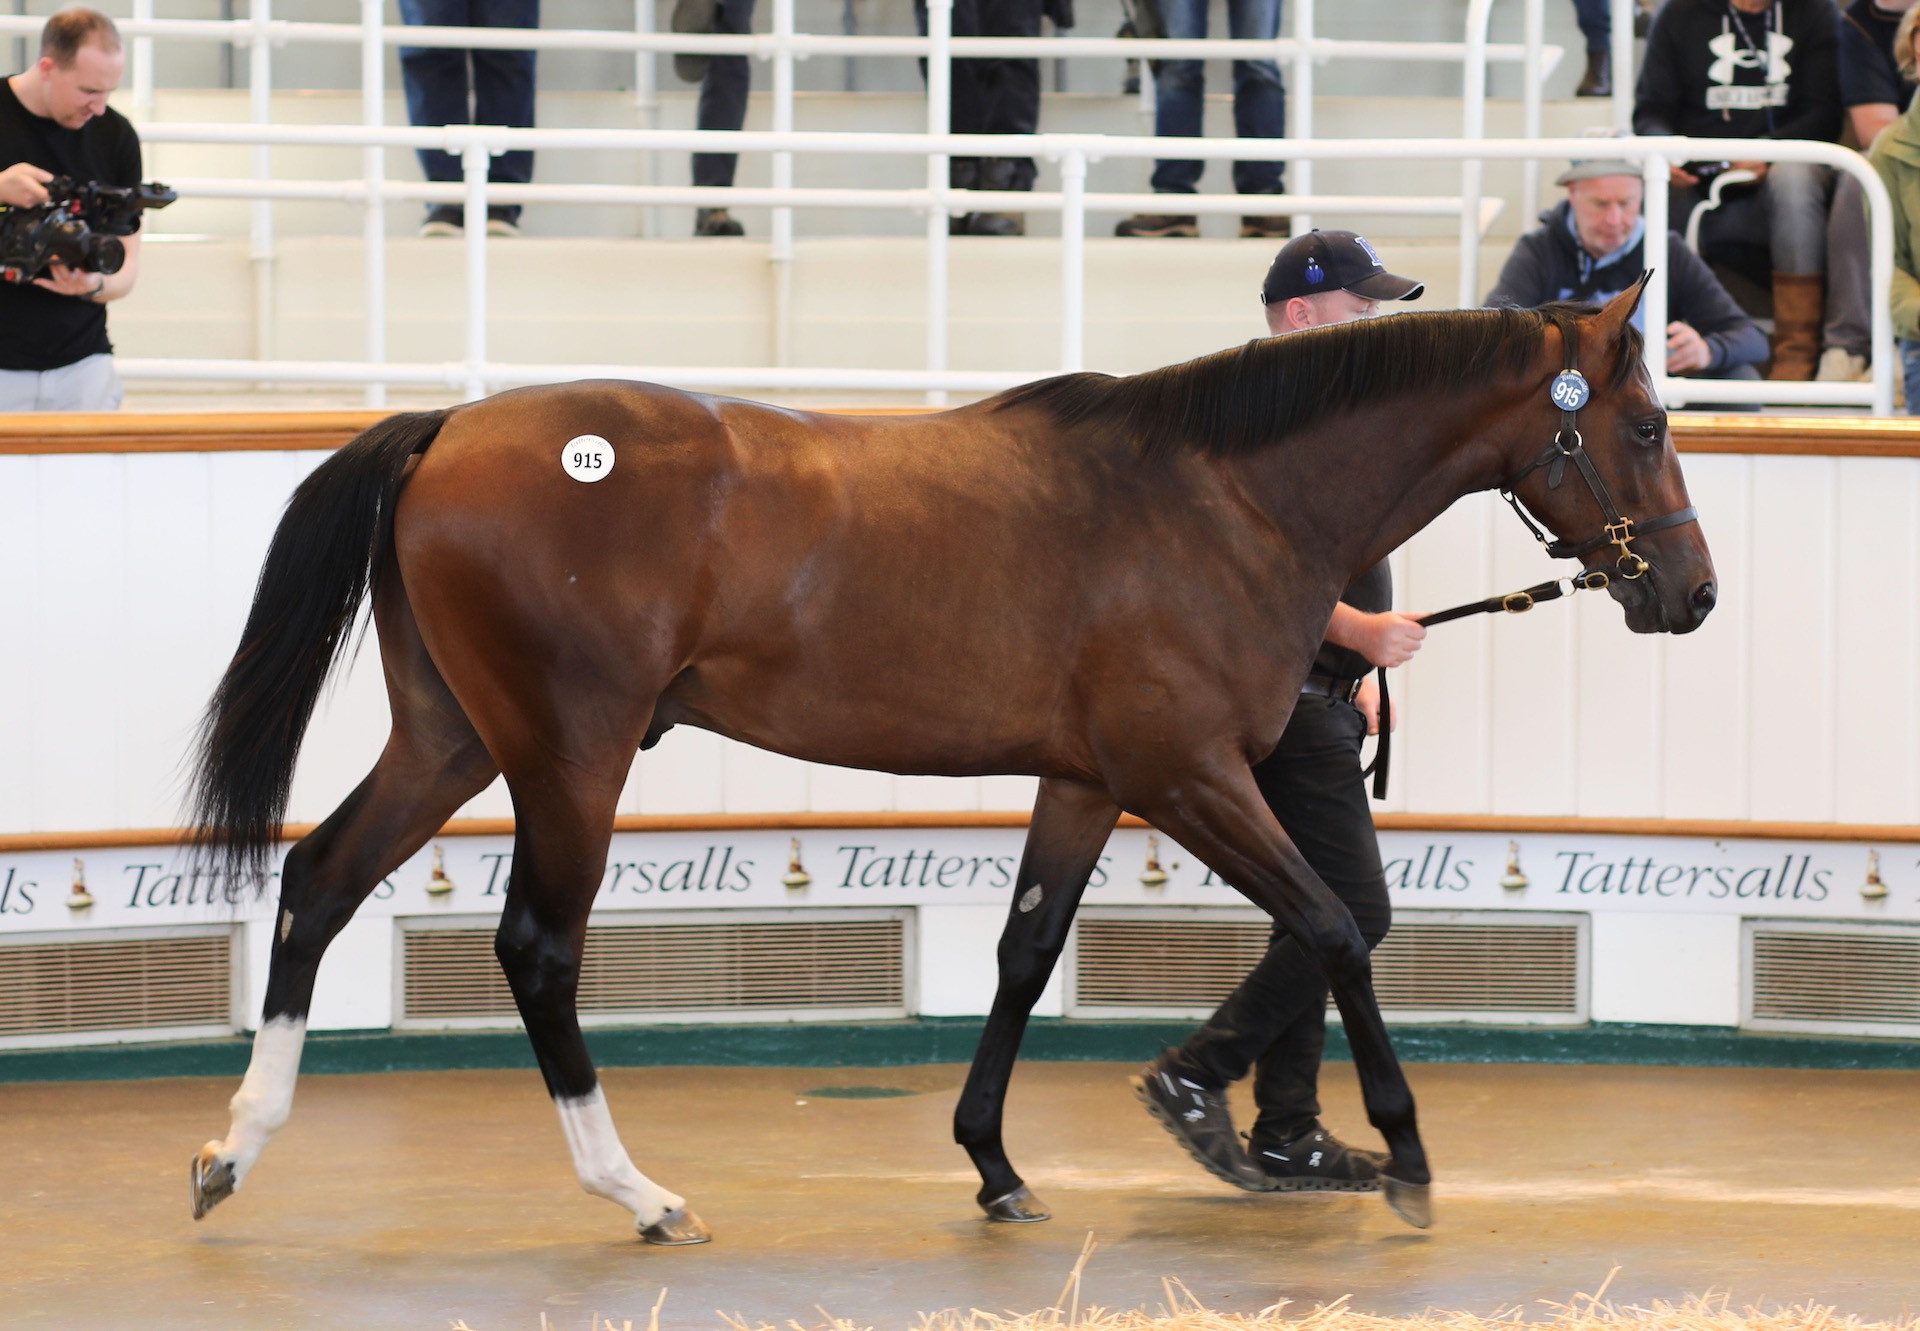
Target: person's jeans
[(1596, 23), (1277, 1018), (1910, 373), (1259, 97), (498, 91), (992, 96), (723, 93), (1785, 215)]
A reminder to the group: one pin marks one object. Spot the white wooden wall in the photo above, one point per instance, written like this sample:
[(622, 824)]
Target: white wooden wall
[(124, 581)]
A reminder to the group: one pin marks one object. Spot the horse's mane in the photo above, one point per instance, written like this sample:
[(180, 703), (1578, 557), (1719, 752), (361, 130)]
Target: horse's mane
[(1248, 397)]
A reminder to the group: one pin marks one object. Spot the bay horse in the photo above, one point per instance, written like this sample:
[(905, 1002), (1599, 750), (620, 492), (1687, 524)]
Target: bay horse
[(1113, 584)]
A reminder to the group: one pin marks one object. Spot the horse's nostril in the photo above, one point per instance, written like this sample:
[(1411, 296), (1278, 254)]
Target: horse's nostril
[(1704, 597)]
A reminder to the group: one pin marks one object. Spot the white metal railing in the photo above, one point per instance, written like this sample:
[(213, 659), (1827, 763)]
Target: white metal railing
[(259, 32), (476, 374)]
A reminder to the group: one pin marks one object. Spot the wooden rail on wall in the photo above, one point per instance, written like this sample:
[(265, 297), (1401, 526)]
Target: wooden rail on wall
[(1708, 829), (295, 431)]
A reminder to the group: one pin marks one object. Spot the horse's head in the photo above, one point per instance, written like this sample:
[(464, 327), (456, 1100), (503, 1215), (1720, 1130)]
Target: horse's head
[(1602, 474)]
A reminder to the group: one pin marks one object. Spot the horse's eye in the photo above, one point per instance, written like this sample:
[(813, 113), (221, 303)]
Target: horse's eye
[(1648, 431)]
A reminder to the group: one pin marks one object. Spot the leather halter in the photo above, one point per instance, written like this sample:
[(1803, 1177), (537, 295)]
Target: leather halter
[(1570, 393)]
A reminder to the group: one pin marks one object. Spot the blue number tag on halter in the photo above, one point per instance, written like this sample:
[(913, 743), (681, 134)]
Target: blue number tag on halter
[(1570, 391)]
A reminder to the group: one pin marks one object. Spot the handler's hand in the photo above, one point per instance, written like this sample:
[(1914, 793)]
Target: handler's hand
[(1368, 701), (1390, 638), (1687, 351), (66, 281), (23, 185)]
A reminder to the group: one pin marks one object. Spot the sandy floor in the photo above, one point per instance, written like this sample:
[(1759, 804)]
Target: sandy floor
[(412, 1200)]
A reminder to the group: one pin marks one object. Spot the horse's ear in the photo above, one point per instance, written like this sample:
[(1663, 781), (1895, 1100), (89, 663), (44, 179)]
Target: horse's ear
[(1616, 313)]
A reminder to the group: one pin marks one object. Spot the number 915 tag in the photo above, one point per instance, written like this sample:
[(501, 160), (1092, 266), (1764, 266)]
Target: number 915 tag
[(587, 458)]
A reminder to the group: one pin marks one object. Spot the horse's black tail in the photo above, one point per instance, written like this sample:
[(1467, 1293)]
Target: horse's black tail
[(330, 545)]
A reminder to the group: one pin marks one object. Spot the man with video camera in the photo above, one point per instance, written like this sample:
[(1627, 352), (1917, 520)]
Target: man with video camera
[(54, 122)]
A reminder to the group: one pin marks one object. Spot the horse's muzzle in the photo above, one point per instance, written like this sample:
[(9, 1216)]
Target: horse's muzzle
[(1699, 605)]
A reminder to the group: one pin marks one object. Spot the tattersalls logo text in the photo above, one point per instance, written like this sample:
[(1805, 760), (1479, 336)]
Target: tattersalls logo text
[(1793, 879)]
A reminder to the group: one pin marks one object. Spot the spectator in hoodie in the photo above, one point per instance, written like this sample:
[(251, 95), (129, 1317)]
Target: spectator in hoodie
[(1592, 246), (1754, 69), (1896, 156), (1874, 93)]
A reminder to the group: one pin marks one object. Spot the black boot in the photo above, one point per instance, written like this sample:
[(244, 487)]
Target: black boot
[(1598, 80), (716, 222), (997, 173)]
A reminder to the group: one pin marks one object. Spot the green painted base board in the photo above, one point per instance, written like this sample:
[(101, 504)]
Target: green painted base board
[(942, 1040)]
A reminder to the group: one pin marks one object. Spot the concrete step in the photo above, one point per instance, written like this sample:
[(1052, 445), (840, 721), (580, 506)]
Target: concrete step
[(660, 304)]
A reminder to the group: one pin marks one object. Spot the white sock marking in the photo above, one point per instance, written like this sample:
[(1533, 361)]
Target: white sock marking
[(265, 1098), (602, 1163)]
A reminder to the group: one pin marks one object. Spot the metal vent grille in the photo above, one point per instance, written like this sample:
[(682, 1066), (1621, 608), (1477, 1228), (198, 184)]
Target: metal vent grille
[(770, 967), (175, 983), (1834, 978), (1433, 964)]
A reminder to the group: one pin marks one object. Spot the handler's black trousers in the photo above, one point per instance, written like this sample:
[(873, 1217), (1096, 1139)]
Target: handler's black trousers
[(1277, 1018)]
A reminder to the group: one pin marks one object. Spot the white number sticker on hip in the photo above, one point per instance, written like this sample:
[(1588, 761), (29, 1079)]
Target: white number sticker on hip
[(587, 458)]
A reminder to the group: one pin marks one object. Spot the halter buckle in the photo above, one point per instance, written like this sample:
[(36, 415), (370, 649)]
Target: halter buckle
[(1516, 603)]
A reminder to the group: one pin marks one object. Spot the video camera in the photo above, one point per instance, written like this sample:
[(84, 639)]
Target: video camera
[(80, 225)]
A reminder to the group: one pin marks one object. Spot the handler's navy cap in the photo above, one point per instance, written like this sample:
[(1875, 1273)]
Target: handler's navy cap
[(1333, 261)]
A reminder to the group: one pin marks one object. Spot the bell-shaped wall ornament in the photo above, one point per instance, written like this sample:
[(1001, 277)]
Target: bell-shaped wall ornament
[(79, 898), (1153, 875), (438, 884), (1514, 879), (1875, 888), (796, 875)]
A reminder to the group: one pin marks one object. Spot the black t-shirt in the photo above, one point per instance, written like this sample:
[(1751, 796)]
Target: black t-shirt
[(1372, 592), (1868, 71), (38, 329)]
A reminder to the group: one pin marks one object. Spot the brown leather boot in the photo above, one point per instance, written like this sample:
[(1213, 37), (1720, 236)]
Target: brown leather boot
[(1799, 305)]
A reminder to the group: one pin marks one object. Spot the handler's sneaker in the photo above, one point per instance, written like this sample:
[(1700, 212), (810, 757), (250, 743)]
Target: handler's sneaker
[(1199, 1120), (1318, 1161)]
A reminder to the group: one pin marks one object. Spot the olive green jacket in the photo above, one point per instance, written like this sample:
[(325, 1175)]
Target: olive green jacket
[(1896, 156)]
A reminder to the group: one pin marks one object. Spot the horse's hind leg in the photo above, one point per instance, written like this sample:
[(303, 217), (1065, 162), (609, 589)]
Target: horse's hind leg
[(1070, 827), (564, 820), (1220, 817), (433, 763)]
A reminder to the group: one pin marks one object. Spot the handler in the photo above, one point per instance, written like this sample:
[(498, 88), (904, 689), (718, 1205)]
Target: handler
[(1276, 1021)]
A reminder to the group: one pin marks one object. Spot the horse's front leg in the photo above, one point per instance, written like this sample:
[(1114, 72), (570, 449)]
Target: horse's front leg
[(1219, 816), (1071, 823)]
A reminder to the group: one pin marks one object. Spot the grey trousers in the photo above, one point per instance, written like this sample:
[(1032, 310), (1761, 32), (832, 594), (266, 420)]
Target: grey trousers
[(1849, 271), (89, 384), (1786, 215)]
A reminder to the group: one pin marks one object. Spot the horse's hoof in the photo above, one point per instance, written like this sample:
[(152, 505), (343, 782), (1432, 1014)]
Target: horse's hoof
[(1412, 1202), (211, 1180), (1019, 1207), (678, 1228)]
